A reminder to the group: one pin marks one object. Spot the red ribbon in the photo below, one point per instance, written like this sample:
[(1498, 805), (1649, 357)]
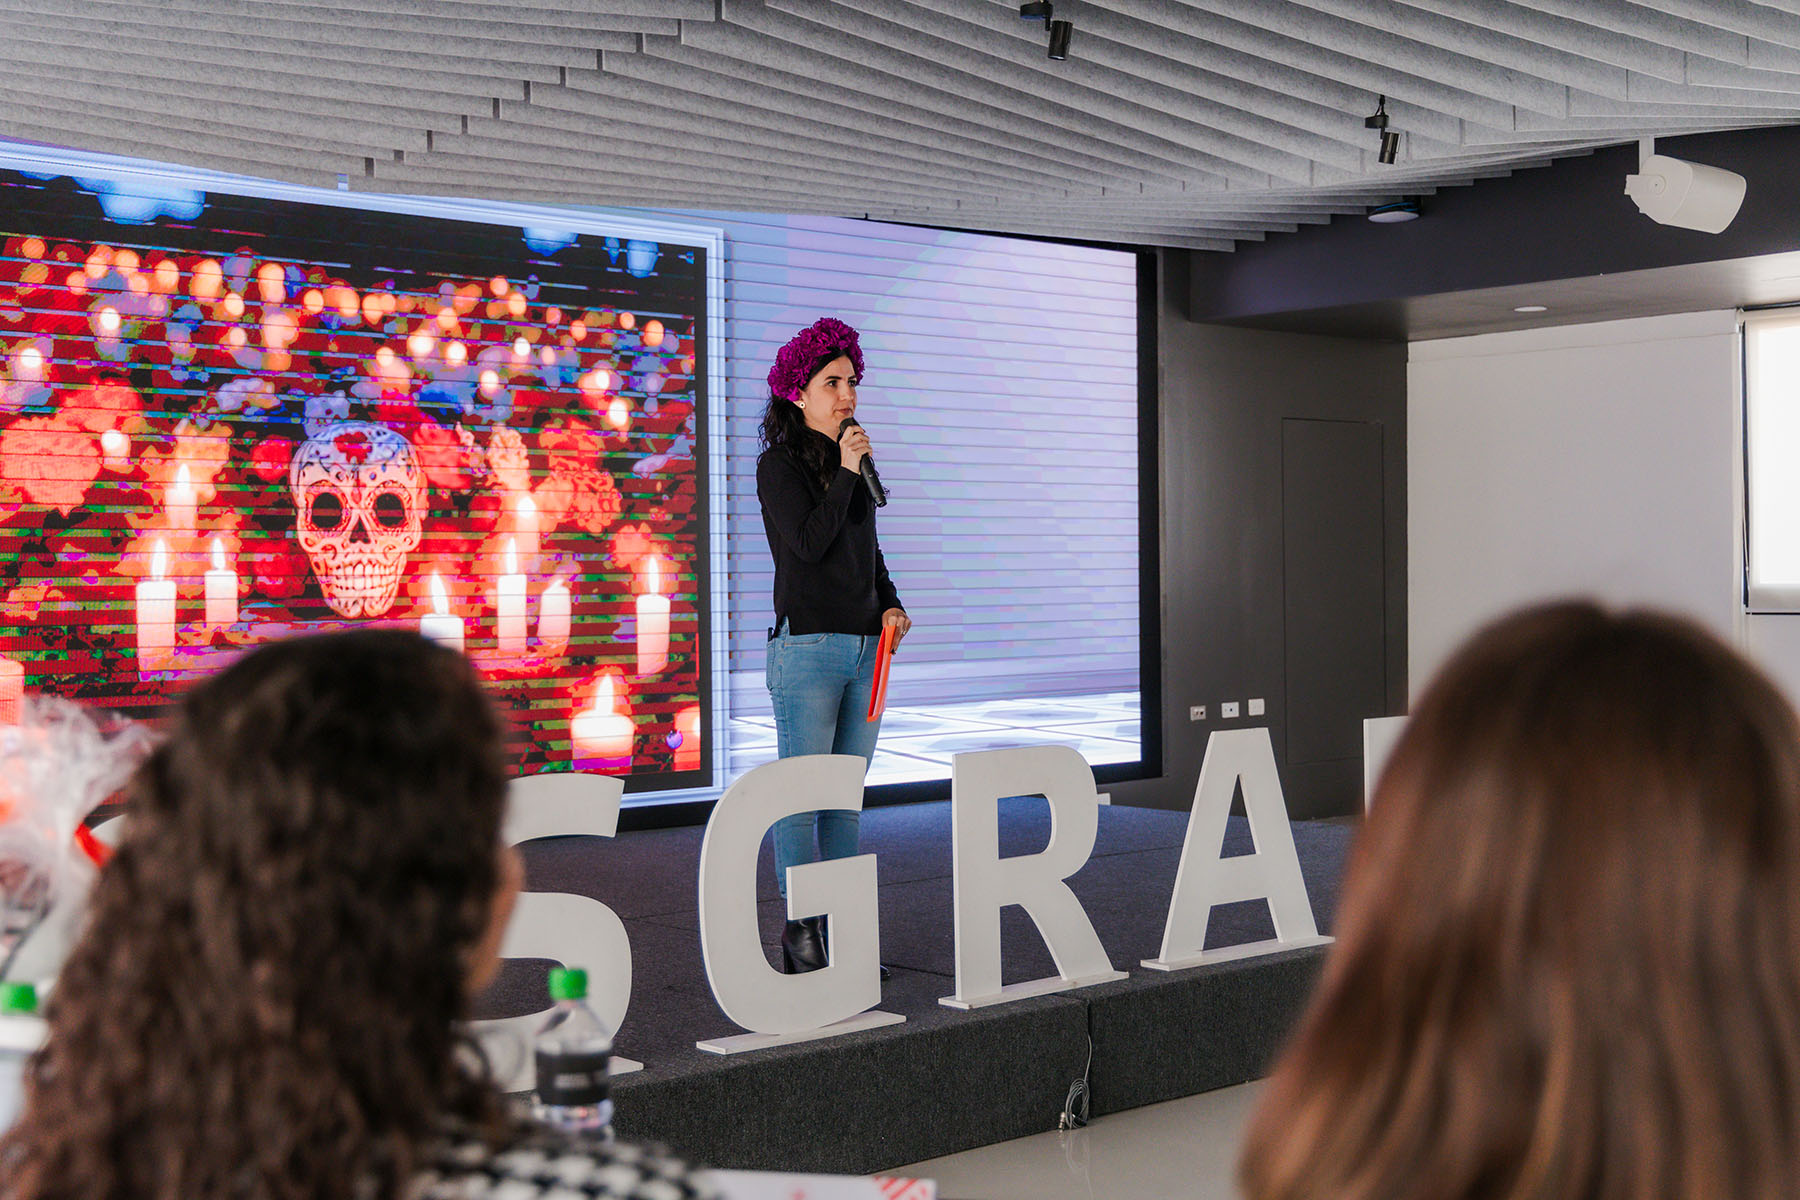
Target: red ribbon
[(98, 852)]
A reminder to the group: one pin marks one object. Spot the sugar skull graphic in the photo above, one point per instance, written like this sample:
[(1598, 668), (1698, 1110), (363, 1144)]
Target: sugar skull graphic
[(359, 496)]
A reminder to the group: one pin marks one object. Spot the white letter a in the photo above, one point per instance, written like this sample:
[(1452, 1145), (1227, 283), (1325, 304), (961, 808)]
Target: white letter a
[(1204, 879)]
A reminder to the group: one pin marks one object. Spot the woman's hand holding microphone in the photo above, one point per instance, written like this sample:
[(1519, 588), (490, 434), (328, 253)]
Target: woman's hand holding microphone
[(852, 445)]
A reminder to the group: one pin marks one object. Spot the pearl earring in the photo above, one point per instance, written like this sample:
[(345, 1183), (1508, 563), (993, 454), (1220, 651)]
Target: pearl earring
[(799, 404)]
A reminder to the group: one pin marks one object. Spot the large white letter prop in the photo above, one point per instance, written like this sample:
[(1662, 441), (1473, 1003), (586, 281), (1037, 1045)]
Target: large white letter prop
[(573, 930), (1380, 735), (985, 883), (1272, 873), (780, 1008)]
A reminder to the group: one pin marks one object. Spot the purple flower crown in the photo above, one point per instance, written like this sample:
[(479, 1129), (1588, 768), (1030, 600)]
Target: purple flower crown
[(794, 362)]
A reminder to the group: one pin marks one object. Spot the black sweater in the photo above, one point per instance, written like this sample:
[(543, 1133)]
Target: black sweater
[(829, 574)]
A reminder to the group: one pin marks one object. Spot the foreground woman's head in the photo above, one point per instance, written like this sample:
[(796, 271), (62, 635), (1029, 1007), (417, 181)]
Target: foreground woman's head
[(1569, 944), (308, 885)]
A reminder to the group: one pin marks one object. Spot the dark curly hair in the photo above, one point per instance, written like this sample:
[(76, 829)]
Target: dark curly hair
[(784, 425), (263, 1005)]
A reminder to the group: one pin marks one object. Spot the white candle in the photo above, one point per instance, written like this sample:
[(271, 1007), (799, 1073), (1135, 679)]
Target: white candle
[(12, 691), (181, 504), (687, 724), (155, 611), (652, 625), (115, 446), (525, 522), (438, 624), (509, 605), (106, 325), (600, 739), (221, 589), (553, 618)]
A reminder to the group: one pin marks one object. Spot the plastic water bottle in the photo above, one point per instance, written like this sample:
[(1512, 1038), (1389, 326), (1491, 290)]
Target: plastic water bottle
[(572, 1051), (21, 1035)]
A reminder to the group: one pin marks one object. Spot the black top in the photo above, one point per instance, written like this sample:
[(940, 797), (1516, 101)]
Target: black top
[(829, 574)]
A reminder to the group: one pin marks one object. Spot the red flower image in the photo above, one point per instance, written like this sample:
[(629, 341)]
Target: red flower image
[(52, 461), (596, 503), (103, 406), (202, 448), (631, 543), (269, 460), (399, 413), (279, 572), (443, 456), (353, 446), (508, 460)]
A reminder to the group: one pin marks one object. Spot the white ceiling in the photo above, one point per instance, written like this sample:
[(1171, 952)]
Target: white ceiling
[(1192, 123)]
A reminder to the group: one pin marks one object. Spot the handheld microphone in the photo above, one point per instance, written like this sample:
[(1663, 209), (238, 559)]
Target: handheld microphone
[(877, 493)]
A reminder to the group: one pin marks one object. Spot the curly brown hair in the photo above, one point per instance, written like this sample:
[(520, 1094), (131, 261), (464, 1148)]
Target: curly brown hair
[(264, 1004)]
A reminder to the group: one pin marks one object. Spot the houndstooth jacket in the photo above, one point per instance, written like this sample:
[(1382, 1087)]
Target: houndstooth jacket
[(545, 1164)]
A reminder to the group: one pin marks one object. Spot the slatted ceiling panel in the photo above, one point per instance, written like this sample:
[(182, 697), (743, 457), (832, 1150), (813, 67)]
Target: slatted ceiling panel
[(1196, 123)]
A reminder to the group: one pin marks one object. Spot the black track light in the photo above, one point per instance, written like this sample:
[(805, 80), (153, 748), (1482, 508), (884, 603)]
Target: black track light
[(1390, 138), (1039, 11), (1060, 33)]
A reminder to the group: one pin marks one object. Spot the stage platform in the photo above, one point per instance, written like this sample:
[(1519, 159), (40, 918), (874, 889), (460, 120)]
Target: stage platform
[(944, 1080)]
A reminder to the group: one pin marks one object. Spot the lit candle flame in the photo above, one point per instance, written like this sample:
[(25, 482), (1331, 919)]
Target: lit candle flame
[(218, 555), (159, 560), (527, 507), (655, 577), (603, 695), (440, 603), (512, 557), (182, 480)]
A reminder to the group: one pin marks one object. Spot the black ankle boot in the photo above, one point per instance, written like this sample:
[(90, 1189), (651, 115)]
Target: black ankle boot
[(825, 942), (802, 946)]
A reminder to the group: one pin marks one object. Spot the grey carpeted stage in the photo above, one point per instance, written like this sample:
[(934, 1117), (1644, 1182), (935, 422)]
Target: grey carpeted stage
[(944, 1080)]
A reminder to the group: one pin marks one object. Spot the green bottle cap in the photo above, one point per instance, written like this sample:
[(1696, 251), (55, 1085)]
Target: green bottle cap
[(18, 998), (568, 983)]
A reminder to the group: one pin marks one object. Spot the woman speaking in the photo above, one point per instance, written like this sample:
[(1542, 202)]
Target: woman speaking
[(832, 591)]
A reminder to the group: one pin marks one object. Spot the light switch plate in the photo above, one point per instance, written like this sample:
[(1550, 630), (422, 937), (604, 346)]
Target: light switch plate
[(1197, 712), (1228, 710), (1256, 707)]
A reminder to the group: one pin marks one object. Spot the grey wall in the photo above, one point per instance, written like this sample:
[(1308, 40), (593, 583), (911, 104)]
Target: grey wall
[(1570, 220), (1229, 608)]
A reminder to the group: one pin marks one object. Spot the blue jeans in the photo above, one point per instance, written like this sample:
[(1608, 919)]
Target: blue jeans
[(820, 685)]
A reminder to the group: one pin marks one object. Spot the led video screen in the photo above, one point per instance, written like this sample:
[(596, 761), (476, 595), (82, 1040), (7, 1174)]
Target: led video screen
[(226, 419)]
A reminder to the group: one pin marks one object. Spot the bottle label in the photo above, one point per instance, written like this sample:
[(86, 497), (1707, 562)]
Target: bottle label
[(572, 1079)]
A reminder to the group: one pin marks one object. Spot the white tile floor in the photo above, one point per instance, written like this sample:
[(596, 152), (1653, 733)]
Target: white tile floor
[(1185, 1148)]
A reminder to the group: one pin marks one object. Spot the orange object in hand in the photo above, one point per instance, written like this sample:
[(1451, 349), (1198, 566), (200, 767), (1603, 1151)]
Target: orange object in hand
[(884, 659)]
